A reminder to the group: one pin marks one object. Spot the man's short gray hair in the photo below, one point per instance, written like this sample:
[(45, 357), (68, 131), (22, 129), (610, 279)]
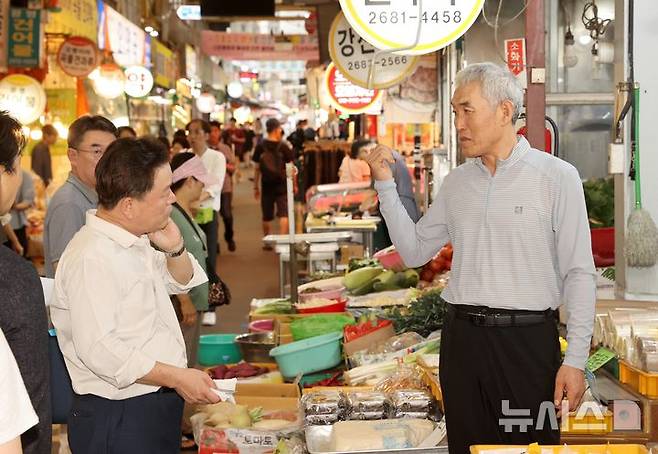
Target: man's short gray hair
[(498, 84)]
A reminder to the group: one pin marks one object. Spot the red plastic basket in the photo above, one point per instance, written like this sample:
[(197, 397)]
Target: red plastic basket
[(603, 246)]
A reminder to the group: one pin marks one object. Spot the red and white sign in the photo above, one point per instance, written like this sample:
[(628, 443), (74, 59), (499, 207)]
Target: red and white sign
[(77, 56), (348, 97), (516, 59), (139, 81), (250, 46)]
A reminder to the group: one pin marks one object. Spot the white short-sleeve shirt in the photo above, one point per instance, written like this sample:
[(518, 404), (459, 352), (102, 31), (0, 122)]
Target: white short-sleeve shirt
[(16, 412)]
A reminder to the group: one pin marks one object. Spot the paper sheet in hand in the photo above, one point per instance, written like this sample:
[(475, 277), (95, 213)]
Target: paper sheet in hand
[(226, 389)]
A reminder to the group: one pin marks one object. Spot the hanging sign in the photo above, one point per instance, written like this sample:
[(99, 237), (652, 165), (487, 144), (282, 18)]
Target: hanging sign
[(126, 40), (23, 97), (139, 81), (516, 59), (74, 17), (77, 56), (163, 64), (354, 57), (252, 46), (389, 25), (347, 97), (4, 34), (25, 38)]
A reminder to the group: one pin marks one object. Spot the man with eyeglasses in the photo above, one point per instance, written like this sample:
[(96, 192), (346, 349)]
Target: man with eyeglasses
[(89, 137)]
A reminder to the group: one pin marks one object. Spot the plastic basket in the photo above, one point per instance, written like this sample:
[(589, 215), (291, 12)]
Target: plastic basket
[(642, 382), (310, 355), (218, 349), (572, 449)]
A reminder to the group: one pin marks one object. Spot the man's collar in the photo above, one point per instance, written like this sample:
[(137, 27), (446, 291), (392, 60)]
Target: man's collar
[(114, 232), (519, 151), (86, 191)]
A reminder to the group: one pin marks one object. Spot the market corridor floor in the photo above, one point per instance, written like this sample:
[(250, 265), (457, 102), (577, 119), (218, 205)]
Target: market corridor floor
[(249, 272)]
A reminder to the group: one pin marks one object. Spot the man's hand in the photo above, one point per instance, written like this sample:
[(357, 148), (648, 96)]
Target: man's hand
[(188, 311), (256, 193), (379, 159), (570, 386), (195, 387), (168, 238)]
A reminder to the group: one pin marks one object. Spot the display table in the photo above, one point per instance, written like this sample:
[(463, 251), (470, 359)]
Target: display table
[(367, 227)]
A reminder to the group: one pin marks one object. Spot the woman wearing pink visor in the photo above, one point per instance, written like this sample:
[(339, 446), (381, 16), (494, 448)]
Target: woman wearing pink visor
[(190, 177)]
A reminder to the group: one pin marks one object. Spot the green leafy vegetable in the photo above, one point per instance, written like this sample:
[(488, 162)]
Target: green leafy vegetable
[(423, 316), (355, 264), (600, 201)]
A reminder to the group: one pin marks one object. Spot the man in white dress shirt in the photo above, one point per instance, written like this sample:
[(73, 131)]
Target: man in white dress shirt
[(115, 323)]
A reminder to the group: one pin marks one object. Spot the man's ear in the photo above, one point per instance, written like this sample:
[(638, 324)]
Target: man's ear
[(127, 208), (507, 111)]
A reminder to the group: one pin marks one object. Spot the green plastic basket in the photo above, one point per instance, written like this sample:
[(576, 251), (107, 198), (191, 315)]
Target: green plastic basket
[(218, 349), (310, 355)]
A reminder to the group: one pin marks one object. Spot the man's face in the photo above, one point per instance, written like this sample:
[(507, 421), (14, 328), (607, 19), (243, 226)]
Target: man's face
[(50, 139), (9, 185), (215, 134), (85, 157), (277, 134), (197, 137), (152, 211), (479, 125), (233, 124)]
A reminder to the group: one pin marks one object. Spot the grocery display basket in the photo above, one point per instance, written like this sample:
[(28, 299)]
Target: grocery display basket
[(640, 381)]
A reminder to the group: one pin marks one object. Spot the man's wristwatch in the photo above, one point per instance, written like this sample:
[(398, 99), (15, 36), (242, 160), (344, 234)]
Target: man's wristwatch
[(174, 254)]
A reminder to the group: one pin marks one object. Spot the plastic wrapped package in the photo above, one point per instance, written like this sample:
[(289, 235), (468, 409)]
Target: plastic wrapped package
[(367, 402), (322, 420), (379, 435), (646, 354), (407, 377), (323, 403), (411, 401), (410, 415), (366, 416), (397, 343)]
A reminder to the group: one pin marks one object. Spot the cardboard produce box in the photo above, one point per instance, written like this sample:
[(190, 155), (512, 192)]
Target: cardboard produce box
[(366, 341), (272, 398)]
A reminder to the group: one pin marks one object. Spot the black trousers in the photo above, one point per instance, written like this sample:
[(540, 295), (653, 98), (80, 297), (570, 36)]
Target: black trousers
[(226, 212), (211, 230), (144, 424), (482, 367)]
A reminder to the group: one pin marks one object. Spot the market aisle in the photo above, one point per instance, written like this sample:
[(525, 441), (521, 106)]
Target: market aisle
[(249, 272)]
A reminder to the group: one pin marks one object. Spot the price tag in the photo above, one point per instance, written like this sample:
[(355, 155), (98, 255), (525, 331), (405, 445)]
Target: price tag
[(599, 359), (347, 97), (353, 56), (393, 24)]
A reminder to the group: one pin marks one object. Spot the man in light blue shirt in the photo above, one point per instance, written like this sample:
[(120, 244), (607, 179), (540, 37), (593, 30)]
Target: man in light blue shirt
[(517, 220)]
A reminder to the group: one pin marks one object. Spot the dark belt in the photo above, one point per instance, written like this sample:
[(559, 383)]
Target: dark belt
[(164, 390), (491, 317)]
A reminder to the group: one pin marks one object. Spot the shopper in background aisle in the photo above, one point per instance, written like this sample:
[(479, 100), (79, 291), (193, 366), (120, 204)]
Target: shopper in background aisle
[(23, 319), (296, 139), (258, 131), (238, 138), (270, 177), (7, 236), (16, 413), (24, 201), (126, 132), (249, 141), (353, 169), (226, 210), (517, 220), (41, 159), (89, 137), (189, 178), (115, 323), (211, 198), (178, 145)]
